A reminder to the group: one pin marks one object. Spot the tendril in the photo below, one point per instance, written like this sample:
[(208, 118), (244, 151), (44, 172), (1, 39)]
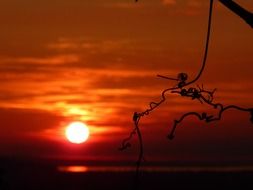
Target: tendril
[(183, 87)]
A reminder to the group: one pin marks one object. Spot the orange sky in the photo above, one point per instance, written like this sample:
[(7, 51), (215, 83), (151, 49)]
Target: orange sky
[(97, 61)]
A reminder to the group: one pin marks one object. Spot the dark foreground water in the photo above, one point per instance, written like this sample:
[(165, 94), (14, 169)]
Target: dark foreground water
[(66, 176)]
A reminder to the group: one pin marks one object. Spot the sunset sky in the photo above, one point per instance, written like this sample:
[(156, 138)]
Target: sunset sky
[(96, 61)]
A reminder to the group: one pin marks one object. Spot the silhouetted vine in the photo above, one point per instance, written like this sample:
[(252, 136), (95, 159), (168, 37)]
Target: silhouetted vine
[(207, 97), (183, 88), (181, 82)]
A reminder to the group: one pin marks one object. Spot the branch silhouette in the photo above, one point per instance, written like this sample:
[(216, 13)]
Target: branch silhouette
[(198, 94), (181, 82), (238, 10), (183, 88)]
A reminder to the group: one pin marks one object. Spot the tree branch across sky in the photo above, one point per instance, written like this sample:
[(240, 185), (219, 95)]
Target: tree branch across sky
[(237, 9)]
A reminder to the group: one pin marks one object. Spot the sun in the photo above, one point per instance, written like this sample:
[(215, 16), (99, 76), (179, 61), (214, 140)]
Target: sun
[(77, 132)]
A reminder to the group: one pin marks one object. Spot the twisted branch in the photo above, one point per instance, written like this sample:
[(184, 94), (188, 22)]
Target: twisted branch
[(181, 79), (198, 93)]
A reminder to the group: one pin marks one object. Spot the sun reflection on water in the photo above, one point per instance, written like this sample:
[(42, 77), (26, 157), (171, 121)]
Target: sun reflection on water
[(166, 169), (73, 169), (84, 169)]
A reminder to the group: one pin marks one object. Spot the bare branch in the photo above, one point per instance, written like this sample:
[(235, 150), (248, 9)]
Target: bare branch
[(182, 87), (238, 10)]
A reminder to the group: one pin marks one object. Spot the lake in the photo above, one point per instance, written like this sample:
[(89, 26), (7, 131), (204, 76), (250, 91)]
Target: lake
[(70, 175)]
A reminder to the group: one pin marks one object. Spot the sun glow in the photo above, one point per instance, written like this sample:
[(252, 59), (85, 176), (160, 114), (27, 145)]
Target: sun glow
[(77, 132)]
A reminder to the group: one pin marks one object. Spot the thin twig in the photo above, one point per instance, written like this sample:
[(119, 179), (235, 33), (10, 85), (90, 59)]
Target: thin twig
[(199, 93), (182, 77), (204, 116)]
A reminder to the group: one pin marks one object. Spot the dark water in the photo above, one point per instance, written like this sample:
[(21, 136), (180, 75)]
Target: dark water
[(66, 176)]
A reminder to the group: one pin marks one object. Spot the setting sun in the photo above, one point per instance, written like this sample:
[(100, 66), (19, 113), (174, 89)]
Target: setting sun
[(77, 132)]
